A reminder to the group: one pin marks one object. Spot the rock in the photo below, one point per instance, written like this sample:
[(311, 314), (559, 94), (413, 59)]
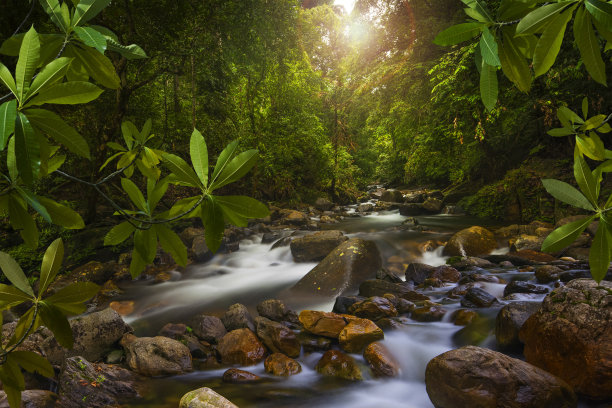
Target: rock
[(509, 321), (418, 272), (526, 242), (277, 337), (335, 363), (392, 196), (283, 242), (433, 205), (94, 335), (315, 247), (343, 303), (393, 323), (570, 275), (204, 398), (238, 317), (474, 276), (208, 328), (310, 342), (93, 271), (173, 330), (365, 207), (471, 262), (32, 399), (463, 317), (534, 256), (518, 286), (433, 313), (378, 287), (281, 365), (123, 307), (276, 310), (477, 297), (446, 274), (381, 361), (471, 241), (200, 250), (189, 234), (86, 385), (322, 323), (292, 217), (358, 334), (156, 356), (373, 308), (242, 347), (237, 376), (415, 197), (342, 270), (514, 260), (412, 209), (477, 377), (323, 204), (548, 273), (571, 336), (326, 219)]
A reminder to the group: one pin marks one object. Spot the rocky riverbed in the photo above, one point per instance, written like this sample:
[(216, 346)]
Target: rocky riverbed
[(521, 328)]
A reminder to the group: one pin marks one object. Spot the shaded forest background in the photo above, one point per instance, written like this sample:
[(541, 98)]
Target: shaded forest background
[(333, 101)]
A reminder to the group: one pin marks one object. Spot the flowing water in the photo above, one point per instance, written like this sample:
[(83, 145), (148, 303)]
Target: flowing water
[(257, 272)]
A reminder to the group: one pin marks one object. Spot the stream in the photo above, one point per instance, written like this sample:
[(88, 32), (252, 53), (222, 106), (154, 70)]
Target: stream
[(256, 272)]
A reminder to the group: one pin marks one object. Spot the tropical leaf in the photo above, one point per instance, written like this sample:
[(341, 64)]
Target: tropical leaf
[(135, 194), (181, 170), (246, 207), (7, 79), (199, 156), (599, 255), (22, 221), (119, 233), (88, 9), (33, 363), (32, 200), (172, 244), (588, 45), (536, 21), (29, 55), (224, 159), (488, 86), (145, 243), (561, 132), (235, 169), (584, 178), (214, 225), (10, 296), (591, 146), (51, 264), (54, 10), (75, 293), (54, 319), (98, 66), (14, 274), (67, 93), (488, 48), (549, 44), (62, 215), (91, 38), (567, 194), (458, 33), (514, 64), (601, 11), (49, 75), (52, 125), (566, 234), (8, 112), (27, 149)]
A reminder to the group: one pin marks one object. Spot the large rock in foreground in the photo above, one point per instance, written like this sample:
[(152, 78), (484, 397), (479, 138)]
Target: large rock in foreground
[(477, 377), (571, 336), (204, 398), (315, 247), (342, 270), (156, 356), (471, 241)]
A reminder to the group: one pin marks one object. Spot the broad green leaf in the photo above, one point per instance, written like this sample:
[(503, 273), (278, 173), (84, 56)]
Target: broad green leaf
[(537, 20), (599, 255), (458, 33), (566, 234), (560, 132), (585, 107), (601, 11), (33, 363), (475, 15), (567, 194), (247, 207), (62, 215), (7, 79), (181, 170), (22, 221), (199, 156), (183, 205), (14, 274), (91, 38), (155, 192), (145, 243), (510, 10), (8, 112), (606, 166), (150, 172), (172, 244), (146, 130), (591, 146), (549, 44), (479, 7), (135, 194), (214, 225), (50, 74), (110, 159), (13, 394), (126, 132), (51, 264), (584, 178), (67, 93), (88, 9), (52, 125), (514, 64), (99, 67), (24, 323), (236, 169), (593, 122), (78, 292), (116, 146), (526, 44), (119, 233), (27, 149), (605, 32), (567, 115), (488, 48), (32, 200), (137, 265), (104, 31), (130, 52), (29, 55), (224, 159), (16, 377), (54, 10), (488, 86), (54, 319), (588, 45), (478, 60), (606, 128), (10, 296)]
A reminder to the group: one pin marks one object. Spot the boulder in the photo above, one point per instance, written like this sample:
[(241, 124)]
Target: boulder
[(86, 385), (156, 356), (373, 308), (242, 347), (343, 303), (204, 398), (412, 209), (311, 342), (365, 207), (358, 334), (477, 377), (509, 321), (277, 337), (381, 361), (518, 286), (477, 297), (189, 234), (471, 262), (280, 365), (315, 247), (433, 205), (208, 328), (322, 323), (418, 272), (392, 196), (94, 335), (276, 310), (342, 270), (471, 241), (238, 317), (323, 204), (548, 273), (571, 336), (200, 250), (415, 197), (429, 313), (379, 287), (446, 273), (335, 363), (32, 399), (463, 317), (293, 217), (237, 376)]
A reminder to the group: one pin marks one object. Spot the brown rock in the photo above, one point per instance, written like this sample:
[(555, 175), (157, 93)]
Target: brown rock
[(32, 399), (548, 273), (322, 323), (277, 337), (381, 361), (463, 317), (433, 313), (358, 334), (446, 274), (472, 241), (236, 376), (281, 365), (123, 307), (335, 363), (373, 308), (242, 347), (315, 247), (157, 356)]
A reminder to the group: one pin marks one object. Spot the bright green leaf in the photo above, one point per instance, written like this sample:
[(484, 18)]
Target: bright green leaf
[(27, 149), (67, 93), (88, 9), (91, 38), (78, 292), (566, 234), (54, 319), (549, 44), (538, 19), (29, 55), (599, 255), (135, 194), (458, 33), (181, 170), (585, 180), (7, 79), (172, 244), (10, 296), (488, 86), (119, 233), (589, 46), (214, 225), (567, 194), (8, 112), (49, 75), (14, 274), (62, 215), (51, 124), (199, 156), (51, 264)]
